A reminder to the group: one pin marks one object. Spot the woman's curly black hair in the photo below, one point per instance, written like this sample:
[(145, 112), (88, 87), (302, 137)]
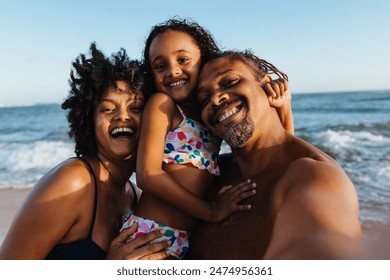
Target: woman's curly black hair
[(89, 80), (202, 38), (259, 67)]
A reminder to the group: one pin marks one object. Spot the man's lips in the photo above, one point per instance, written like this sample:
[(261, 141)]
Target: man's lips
[(227, 111), (227, 114)]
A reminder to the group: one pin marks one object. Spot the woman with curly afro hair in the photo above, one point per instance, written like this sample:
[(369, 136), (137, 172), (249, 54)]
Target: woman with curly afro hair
[(75, 210)]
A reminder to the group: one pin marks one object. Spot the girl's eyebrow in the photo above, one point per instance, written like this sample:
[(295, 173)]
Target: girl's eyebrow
[(175, 52)]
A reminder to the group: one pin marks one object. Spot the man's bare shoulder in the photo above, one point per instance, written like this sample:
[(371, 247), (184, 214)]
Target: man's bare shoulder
[(314, 199), (316, 169)]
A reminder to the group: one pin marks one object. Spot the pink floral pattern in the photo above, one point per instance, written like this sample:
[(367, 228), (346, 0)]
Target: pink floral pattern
[(179, 238), (192, 142)]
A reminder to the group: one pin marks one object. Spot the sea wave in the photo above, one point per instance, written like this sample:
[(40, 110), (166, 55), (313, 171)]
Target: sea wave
[(22, 164), (40, 154), (345, 138)]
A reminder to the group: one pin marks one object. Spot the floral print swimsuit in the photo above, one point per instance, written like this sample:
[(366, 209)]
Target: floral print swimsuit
[(192, 142)]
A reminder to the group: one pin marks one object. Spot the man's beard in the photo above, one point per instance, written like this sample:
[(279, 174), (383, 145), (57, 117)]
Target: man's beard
[(238, 134)]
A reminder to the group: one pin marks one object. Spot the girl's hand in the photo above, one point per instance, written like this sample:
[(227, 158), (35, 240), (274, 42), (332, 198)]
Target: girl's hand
[(279, 96), (278, 93), (228, 199), (137, 248)]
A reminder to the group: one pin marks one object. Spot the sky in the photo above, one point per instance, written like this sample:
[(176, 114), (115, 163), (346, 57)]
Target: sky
[(323, 46)]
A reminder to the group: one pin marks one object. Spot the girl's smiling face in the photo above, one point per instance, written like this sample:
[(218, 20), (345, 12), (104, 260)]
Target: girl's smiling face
[(175, 62)]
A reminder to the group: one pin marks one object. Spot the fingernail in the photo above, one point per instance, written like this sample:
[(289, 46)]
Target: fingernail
[(162, 231), (254, 184), (248, 180), (169, 242)]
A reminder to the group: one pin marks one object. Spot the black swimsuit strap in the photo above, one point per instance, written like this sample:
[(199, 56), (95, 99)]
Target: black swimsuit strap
[(89, 167)]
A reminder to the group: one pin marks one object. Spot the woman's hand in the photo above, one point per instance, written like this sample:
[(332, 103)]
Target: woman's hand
[(138, 248)]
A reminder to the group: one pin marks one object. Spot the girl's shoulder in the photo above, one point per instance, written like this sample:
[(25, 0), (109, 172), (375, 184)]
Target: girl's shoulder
[(159, 105), (161, 98)]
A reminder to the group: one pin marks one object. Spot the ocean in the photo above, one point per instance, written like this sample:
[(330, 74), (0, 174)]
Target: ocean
[(352, 127)]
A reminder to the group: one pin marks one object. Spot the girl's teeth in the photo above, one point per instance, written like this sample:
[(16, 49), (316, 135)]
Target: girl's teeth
[(177, 83)]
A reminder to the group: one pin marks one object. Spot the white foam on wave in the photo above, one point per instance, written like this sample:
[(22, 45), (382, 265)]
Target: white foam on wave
[(346, 138), (353, 145), (34, 155), (385, 172)]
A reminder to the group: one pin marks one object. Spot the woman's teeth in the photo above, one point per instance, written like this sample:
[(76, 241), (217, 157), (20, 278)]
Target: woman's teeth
[(122, 131)]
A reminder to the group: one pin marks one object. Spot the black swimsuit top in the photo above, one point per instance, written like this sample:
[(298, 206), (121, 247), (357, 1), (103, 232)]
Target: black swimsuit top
[(85, 249)]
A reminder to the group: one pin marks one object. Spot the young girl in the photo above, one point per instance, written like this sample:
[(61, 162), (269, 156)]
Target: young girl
[(177, 155)]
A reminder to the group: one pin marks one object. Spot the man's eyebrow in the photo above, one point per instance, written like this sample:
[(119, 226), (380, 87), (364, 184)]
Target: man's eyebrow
[(218, 74)]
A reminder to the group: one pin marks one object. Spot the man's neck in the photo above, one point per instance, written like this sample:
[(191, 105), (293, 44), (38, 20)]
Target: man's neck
[(263, 152)]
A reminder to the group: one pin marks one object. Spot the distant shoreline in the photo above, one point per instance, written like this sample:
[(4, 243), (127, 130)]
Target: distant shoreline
[(16, 105)]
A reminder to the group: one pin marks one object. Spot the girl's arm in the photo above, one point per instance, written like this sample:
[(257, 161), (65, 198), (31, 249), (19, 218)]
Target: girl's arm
[(156, 122), (279, 96)]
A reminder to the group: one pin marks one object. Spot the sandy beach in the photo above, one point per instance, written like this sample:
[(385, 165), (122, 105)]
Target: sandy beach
[(376, 235), (10, 200)]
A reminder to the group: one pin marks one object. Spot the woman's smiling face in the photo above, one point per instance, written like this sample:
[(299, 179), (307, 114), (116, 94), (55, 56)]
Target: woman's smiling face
[(118, 121)]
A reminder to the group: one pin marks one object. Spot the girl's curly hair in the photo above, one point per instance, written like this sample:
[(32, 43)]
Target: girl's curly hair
[(202, 38), (89, 80), (259, 67)]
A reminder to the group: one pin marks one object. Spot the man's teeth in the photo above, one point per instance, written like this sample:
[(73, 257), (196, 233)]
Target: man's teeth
[(226, 115), (177, 83), (121, 130)]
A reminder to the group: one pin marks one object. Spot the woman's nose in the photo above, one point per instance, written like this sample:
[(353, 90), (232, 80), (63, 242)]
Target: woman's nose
[(123, 114)]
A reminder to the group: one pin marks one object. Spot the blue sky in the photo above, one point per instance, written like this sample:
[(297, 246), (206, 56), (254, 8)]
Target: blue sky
[(324, 46)]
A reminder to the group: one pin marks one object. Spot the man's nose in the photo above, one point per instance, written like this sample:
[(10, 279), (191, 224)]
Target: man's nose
[(218, 98)]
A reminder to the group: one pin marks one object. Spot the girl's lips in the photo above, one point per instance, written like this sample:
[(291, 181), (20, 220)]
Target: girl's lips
[(177, 83)]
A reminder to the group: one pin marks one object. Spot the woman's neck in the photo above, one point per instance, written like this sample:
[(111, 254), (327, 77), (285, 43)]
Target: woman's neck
[(118, 172)]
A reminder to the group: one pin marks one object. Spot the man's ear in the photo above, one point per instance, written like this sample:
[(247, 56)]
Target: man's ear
[(265, 79)]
